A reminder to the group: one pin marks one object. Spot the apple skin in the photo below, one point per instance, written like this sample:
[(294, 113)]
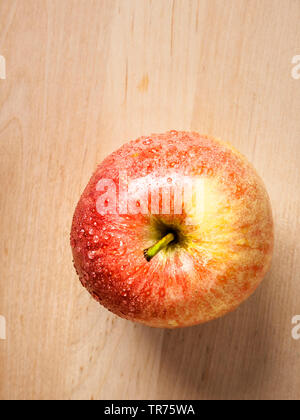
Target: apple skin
[(224, 258)]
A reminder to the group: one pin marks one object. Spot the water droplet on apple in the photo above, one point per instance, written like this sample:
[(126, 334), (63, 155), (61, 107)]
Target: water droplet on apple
[(120, 249), (96, 239), (169, 180), (147, 141), (91, 231), (91, 254)]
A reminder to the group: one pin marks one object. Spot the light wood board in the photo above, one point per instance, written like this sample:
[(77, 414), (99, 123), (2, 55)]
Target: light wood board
[(82, 78)]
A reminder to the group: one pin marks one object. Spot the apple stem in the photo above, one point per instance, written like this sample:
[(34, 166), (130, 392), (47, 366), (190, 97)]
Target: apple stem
[(149, 253)]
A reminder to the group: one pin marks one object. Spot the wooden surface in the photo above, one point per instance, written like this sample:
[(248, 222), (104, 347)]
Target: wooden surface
[(82, 78)]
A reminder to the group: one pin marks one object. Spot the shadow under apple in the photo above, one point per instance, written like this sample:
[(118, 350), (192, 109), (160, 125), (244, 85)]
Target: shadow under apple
[(228, 358)]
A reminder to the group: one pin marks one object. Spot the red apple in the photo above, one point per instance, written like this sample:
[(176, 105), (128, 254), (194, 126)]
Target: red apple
[(147, 258)]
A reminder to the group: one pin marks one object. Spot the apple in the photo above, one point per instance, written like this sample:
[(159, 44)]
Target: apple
[(173, 230)]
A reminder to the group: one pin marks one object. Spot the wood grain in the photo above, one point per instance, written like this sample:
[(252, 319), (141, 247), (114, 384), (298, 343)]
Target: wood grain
[(84, 77)]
